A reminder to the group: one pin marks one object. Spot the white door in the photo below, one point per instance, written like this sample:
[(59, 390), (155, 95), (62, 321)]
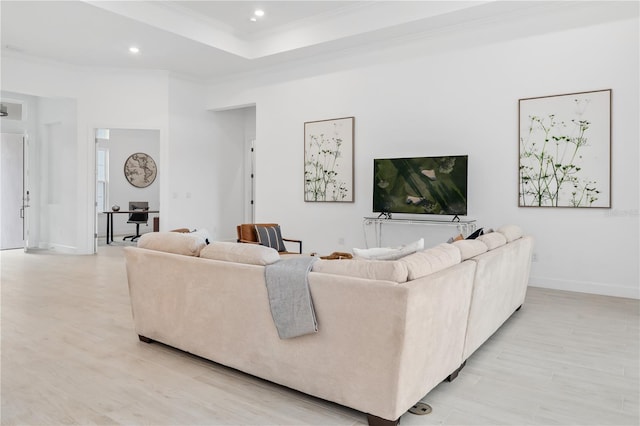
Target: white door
[(12, 185), (250, 181)]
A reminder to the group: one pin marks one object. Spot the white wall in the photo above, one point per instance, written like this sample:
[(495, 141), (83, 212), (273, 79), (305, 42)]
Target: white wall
[(57, 189), (51, 159), (234, 128), (456, 95), (196, 159), (461, 100), (196, 155), (28, 125), (204, 163), (105, 99)]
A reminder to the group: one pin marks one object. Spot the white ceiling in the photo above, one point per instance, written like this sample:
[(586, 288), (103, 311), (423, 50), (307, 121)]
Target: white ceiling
[(211, 40)]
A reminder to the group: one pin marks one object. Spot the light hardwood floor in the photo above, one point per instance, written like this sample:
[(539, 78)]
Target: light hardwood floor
[(70, 356)]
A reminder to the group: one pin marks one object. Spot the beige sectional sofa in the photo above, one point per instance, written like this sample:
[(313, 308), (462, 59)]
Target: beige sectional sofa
[(388, 331)]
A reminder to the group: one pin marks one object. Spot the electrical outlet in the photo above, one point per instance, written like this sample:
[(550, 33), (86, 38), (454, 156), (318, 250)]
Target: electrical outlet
[(341, 241)]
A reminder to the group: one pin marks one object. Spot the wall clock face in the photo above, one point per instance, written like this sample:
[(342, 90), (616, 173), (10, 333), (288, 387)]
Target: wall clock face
[(140, 170)]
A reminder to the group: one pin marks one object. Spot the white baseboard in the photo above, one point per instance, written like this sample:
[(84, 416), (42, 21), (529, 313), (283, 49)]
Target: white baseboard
[(586, 287), (59, 248)]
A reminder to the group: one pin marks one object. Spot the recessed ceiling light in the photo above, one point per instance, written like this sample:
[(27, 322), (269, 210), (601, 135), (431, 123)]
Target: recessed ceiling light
[(253, 19), (259, 12), (134, 49)]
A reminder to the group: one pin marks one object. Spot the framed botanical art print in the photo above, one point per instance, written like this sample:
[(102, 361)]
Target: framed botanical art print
[(565, 150), (328, 160)]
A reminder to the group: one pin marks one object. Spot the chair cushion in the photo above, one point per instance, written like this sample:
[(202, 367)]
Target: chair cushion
[(253, 254), (172, 242), (271, 236)]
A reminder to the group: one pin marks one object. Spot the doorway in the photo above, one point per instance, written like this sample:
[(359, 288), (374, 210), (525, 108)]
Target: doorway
[(12, 210), (235, 131), (49, 176), (114, 188), (250, 181)]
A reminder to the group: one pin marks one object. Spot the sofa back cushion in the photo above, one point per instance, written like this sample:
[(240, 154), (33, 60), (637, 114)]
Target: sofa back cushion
[(386, 270), (493, 240), (172, 242), (253, 254), (511, 232), (431, 260), (470, 248)]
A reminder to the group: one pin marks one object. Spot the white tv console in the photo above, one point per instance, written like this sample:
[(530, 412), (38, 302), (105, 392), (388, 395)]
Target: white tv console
[(464, 226)]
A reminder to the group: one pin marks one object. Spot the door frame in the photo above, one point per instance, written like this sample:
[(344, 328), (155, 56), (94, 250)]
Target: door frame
[(94, 172), (250, 181), (24, 193)]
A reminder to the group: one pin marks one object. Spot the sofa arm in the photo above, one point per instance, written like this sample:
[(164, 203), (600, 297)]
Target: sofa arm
[(436, 325)]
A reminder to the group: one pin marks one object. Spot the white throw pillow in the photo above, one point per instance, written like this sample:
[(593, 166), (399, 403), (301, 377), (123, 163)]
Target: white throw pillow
[(204, 234), (389, 253), (371, 269)]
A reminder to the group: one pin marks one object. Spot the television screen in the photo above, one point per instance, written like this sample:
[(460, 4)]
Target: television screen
[(425, 185)]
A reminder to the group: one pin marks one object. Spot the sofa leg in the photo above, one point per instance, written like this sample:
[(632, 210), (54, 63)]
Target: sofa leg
[(453, 375), (144, 339), (379, 421), (518, 308)]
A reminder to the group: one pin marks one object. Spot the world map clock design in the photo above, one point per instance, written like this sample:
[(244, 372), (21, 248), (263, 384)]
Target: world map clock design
[(140, 170)]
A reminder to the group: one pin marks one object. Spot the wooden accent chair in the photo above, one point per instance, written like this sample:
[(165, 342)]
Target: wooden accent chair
[(247, 234), (181, 230)]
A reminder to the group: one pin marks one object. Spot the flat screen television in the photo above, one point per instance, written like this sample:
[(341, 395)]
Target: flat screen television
[(422, 185)]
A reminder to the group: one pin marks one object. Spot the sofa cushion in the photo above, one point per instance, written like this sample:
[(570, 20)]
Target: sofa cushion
[(470, 248), (270, 236), (253, 254), (172, 242), (431, 260), (372, 269), (389, 253), (511, 232), (493, 240)]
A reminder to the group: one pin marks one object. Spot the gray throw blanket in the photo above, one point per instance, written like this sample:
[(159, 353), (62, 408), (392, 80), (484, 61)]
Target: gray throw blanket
[(290, 298)]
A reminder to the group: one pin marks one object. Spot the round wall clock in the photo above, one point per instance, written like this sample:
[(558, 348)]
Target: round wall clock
[(140, 170)]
